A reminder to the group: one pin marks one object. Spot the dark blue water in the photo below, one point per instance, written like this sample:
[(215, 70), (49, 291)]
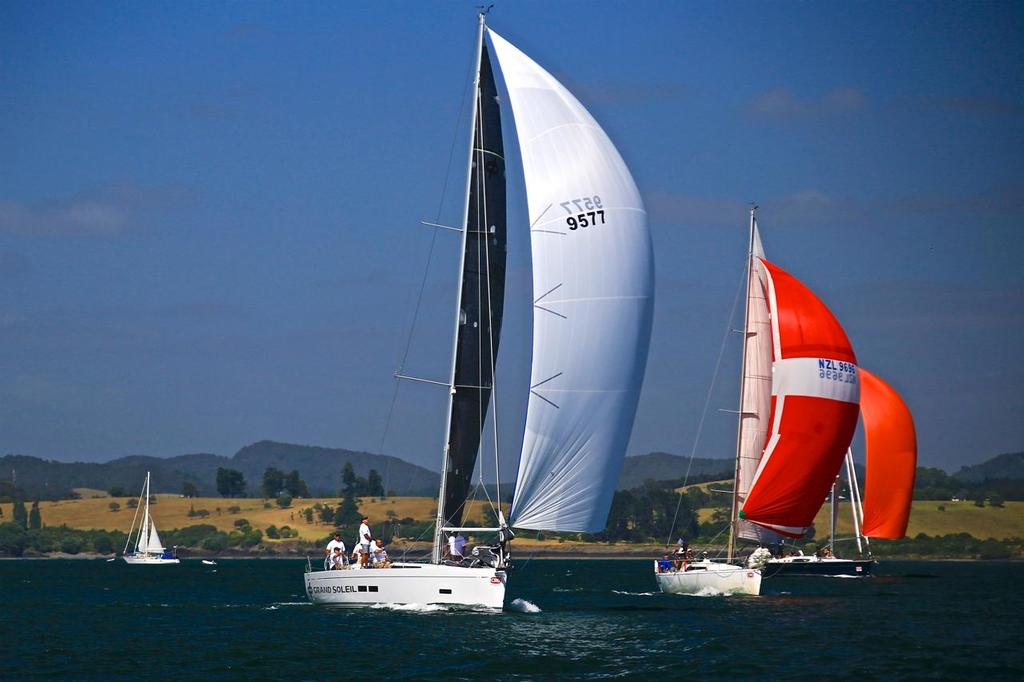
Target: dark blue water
[(597, 619)]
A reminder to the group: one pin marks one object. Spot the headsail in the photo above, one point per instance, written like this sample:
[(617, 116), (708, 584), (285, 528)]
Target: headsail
[(593, 299), (154, 544), (815, 393), (891, 459), (482, 297), (756, 395)]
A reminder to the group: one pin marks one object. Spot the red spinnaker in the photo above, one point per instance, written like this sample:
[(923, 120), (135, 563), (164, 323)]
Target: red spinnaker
[(891, 459), (815, 396)]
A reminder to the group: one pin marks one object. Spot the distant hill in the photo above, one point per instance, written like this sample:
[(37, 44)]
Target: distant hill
[(663, 466), (1009, 465), (319, 467)]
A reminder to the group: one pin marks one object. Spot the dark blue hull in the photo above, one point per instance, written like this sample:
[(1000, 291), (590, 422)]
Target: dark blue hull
[(854, 568)]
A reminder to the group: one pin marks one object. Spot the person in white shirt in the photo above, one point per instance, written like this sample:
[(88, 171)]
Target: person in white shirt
[(331, 546), (365, 537), (338, 559), (336, 542), (357, 556), (456, 544), (377, 554)]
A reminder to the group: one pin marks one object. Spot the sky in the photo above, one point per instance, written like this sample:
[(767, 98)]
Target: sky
[(209, 211)]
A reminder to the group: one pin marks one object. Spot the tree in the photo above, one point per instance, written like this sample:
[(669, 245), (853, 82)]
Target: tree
[(117, 491), (114, 506), (308, 514), (284, 500), (189, 489), (374, 484), (34, 519), (20, 515), (273, 482), (348, 477), (995, 500), (295, 486), (13, 539), (230, 482), (348, 510), (272, 532)]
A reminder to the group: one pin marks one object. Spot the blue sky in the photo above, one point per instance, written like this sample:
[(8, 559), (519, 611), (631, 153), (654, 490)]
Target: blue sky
[(209, 211)]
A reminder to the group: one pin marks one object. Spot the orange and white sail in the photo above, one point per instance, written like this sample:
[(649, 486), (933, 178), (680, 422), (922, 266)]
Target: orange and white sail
[(891, 446), (815, 394)]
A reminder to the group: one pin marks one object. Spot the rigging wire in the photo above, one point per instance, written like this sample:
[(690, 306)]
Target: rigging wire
[(423, 284), (707, 402)]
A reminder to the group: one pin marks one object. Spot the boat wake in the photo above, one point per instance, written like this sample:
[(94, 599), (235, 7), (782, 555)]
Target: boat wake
[(414, 608), (635, 594), (523, 606), (709, 592)]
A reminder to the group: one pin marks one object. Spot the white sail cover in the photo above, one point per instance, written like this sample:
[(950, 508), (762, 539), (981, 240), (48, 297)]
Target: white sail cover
[(755, 401), (593, 290)]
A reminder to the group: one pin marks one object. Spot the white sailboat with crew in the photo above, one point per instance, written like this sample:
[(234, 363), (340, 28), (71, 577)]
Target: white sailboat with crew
[(592, 269), (148, 549)]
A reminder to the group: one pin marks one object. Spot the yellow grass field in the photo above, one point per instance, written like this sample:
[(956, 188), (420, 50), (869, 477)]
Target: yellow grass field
[(925, 517), (171, 511)]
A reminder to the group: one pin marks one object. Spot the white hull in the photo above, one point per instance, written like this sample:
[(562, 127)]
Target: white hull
[(709, 577), (421, 584), (148, 559)]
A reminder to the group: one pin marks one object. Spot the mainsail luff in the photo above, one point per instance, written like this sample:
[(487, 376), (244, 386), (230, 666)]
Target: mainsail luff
[(593, 300), (480, 303)]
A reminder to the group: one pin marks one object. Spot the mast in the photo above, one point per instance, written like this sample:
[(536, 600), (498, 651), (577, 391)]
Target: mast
[(743, 380), (435, 556), (832, 509), (856, 505)]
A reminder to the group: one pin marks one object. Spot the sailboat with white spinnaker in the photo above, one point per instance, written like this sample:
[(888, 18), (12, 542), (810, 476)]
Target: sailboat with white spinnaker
[(593, 289)]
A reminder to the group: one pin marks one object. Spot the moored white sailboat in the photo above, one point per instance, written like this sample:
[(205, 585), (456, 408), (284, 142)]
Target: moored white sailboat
[(592, 275), (148, 548)]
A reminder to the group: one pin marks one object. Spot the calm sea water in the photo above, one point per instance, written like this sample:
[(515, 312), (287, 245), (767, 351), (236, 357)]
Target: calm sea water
[(565, 619)]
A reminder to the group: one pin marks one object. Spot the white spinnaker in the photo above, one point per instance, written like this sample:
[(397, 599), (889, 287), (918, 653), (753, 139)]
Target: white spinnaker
[(593, 291), (755, 402)]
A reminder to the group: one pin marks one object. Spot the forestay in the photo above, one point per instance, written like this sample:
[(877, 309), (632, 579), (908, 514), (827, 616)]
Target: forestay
[(593, 298)]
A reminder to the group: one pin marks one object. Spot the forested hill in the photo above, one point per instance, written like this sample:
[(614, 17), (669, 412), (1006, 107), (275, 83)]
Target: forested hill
[(1001, 467), (663, 466), (319, 467)]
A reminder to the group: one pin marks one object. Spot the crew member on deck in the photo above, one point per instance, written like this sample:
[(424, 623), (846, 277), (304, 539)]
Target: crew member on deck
[(456, 544), (365, 537), (335, 543)]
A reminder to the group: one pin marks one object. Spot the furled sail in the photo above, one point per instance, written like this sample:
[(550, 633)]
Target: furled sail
[(891, 459), (482, 297), (756, 396), (593, 297), (815, 395)]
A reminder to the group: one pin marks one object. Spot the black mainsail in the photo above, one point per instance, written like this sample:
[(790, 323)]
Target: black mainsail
[(482, 298)]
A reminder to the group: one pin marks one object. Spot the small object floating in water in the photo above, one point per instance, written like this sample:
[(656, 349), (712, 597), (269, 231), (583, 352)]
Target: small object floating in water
[(208, 562), (113, 558)]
